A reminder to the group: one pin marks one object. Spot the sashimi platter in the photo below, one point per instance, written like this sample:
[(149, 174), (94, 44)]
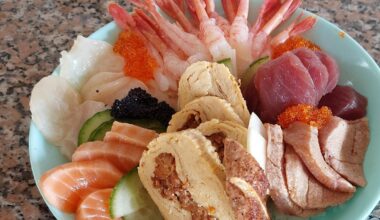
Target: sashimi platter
[(203, 109)]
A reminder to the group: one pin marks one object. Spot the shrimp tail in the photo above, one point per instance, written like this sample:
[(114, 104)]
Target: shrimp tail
[(296, 28), (171, 8), (120, 16), (230, 8), (166, 8), (303, 26), (154, 25), (191, 10), (261, 41), (200, 10), (222, 22), (293, 7), (181, 5), (267, 10), (210, 6)]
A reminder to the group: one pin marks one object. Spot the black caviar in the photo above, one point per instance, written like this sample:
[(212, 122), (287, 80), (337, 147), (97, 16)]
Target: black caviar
[(139, 104)]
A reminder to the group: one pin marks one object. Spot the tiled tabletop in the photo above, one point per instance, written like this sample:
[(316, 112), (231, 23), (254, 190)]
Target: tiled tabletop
[(33, 32)]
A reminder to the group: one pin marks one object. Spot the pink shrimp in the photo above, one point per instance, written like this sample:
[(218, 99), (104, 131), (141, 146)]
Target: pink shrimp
[(214, 37), (122, 19), (171, 8), (267, 10), (126, 22), (181, 4), (172, 63), (141, 14), (240, 37), (191, 10), (260, 41), (222, 22), (230, 8), (296, 28), (189, 43)]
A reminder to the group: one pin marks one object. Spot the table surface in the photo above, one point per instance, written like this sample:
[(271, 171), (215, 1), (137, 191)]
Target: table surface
[(33, 32)]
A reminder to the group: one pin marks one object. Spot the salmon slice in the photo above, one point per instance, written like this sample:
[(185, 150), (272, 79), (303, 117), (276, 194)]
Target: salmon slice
[(95, 206), (121, 155), (67, 185), (130, 134)]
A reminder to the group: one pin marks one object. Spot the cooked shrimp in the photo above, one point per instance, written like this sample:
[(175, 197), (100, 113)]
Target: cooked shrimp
[(267, 10), (222, 22), (296, 28), (213, 37), (172, 63), (173, 10), (191, 10), (152, 23), (260, 41), (189, 43), (126, 22), (240, 37), (230, 8)]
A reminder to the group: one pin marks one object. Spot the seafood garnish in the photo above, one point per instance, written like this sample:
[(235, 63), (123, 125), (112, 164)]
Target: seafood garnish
[(206, 35)]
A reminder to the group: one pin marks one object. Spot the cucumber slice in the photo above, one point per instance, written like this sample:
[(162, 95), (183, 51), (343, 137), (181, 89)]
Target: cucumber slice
[(99, 133), (227, 62), (130, 200), (151, 124), (251, 71), (93, 123)]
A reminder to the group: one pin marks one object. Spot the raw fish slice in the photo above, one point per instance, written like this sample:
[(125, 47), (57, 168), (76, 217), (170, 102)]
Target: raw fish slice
[(52, 103), (316, 68), (84, 111), (346, 103), (304, 189), (121, 155), (88, 57), (95, 206), (130, 134), (304, 139), (58, 114), (275, 172), (281, 83), (344, 144), (67, 185), (99, 79), (107, 92), (332, 68), (110, 90)]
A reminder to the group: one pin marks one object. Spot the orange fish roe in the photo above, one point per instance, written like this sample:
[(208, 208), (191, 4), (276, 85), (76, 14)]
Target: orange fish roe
[(138, 61), (291, 44), (305, 113)]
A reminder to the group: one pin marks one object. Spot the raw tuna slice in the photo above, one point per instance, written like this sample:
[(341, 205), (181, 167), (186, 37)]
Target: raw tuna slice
[(316, 68), (346, 103), (332, 68), (281, 83)]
